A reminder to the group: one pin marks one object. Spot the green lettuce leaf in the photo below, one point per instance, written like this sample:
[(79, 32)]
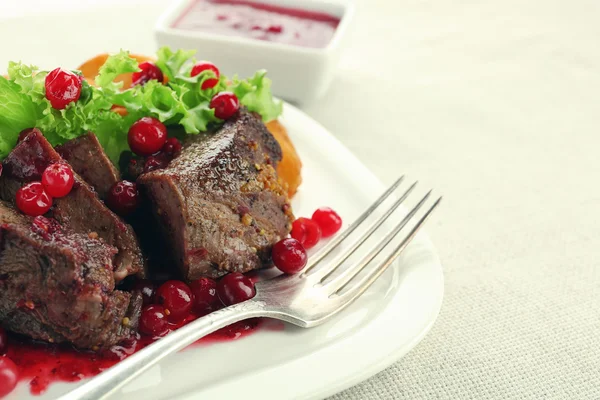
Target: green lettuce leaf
[(175, 64), (92, 112), (114, 66), (161, 101), (111, 130), (17, 112), (181, 104), (255, 93), (196, 120), (171, 104), (29, 79)]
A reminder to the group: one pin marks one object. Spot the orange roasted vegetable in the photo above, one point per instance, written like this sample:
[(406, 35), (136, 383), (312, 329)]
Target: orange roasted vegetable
[(289, 169)]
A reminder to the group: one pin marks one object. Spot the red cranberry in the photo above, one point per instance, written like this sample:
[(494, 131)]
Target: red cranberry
[(155, 162), (306, 231), (204, 66), (146, 288), (9, 376), (289, 255), (3, 341), (147, 136), (58, 179), (329, 221), (123, 197), (205, 295), (225, 104), (149, 71), (234, 288), (62, 87), (176, 298), (33, 200), (153, 320), (172, 147)]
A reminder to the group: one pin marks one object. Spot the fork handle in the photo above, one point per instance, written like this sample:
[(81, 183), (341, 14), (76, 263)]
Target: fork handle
[(114, 378)]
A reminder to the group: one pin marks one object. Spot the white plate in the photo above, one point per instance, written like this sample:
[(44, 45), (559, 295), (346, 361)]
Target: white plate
[(378, 329)]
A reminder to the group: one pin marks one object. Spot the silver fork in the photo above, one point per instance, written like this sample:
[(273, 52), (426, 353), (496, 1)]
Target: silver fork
[(306, 299)]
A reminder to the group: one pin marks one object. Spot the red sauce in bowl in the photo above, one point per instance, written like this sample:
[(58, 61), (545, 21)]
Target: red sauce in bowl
[(260, 21)]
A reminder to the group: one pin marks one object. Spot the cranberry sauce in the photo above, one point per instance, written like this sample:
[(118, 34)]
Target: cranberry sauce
[(41, 364), (259, 21)]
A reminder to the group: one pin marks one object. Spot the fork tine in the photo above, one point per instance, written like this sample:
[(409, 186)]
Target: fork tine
[(315, 259), (372, 276), (348, 274), (324, 272)]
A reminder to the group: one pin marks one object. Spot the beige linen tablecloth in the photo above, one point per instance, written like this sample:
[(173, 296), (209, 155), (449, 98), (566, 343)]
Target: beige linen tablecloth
[(496, 104)]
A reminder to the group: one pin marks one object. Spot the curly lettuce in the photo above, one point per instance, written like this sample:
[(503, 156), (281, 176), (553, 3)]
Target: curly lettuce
[(255, 93), (92, 112), (179, 103), (17, 112)]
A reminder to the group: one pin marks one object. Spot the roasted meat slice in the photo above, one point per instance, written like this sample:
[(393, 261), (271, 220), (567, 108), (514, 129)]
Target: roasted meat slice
[(88, 159), (220, 203), (59, 286), (81, 210)]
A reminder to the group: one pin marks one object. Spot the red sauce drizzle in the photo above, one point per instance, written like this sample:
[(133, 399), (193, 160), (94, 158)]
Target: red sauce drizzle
[(41, 364)]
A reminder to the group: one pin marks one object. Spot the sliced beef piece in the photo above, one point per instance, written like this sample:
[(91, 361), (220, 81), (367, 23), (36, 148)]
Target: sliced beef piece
[(59, 286), (88, 159), (219, 203), (81, 210)]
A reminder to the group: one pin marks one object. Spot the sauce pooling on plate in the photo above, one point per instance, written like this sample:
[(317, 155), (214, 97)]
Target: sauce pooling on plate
[(259, 21), (42, 364)]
